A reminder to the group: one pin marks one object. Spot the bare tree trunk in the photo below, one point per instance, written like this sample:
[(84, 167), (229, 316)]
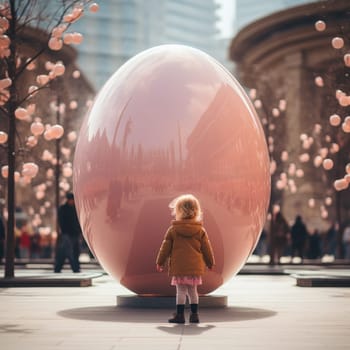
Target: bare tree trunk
[(11, 106), (58, 166), (10, 237)]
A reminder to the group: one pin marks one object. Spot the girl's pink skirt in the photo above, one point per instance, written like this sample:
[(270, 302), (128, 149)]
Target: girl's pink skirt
[(189, 280)]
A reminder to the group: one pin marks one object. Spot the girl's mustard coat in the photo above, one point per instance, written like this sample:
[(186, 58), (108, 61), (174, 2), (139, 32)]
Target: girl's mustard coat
[(187, 246)]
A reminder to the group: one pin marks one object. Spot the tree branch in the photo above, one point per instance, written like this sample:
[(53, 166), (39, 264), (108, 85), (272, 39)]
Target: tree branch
[(25, 7), (58, 22), (4, 111), (33, 93), (27, 63)]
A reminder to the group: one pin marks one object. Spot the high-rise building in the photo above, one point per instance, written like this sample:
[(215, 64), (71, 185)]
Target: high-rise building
[(123, 28), (248, 11)]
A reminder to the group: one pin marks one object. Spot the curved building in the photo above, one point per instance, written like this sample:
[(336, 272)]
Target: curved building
[(281, 55)]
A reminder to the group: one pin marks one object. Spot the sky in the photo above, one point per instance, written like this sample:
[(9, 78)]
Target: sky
[(227, 14)]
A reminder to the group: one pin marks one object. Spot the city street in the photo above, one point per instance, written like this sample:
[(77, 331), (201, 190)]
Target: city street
[(264, 312)]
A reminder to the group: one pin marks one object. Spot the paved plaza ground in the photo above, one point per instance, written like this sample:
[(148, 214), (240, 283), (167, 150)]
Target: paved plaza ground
[(264, 312)]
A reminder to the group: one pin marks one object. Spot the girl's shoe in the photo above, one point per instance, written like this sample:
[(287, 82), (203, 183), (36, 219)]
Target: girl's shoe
[(194, 318), (178, 318)]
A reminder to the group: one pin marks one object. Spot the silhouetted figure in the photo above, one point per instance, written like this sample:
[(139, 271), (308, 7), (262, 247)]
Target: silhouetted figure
[(299, 236), (68, 242), (314, 245), (46, 246), (2, 239), (17, 238), (24, 242), (331, 239), (278, 237), (127, 189), (261, 247), (114, 201), (35, 246), (346, 242)]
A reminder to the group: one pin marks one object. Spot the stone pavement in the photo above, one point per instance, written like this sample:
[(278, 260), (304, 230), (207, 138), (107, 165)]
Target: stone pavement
[(264, 312)]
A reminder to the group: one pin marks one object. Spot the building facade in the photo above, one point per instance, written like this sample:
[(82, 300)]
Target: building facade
[(121, 29), (280, 56), (248, 11)]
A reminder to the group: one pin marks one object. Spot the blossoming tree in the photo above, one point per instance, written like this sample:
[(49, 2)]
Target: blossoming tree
[(18, 95)]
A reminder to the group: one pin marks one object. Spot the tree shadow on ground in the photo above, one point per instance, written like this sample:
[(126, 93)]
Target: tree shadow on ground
[(14, 328)]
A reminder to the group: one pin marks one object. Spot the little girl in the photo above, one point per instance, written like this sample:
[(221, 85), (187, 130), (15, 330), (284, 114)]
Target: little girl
[(187, 246)]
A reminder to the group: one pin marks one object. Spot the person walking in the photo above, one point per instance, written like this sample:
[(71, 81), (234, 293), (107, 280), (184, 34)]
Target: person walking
[(261, 247), (2, 239), (68, 243), (24, 242), (346, 241), (299, 236), (35, 246), (314, 245), (187, 246), (331, 239), (278, 237)]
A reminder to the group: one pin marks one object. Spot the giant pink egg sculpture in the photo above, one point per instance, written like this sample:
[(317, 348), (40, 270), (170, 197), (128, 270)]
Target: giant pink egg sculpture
[(171, 120)]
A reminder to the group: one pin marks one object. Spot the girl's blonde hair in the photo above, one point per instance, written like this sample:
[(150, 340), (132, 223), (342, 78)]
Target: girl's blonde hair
[(186, 206)]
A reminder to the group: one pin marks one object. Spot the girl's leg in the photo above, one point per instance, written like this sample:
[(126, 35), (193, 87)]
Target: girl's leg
[(181, 292), (194, 299), (179, 317), (192, 294)]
